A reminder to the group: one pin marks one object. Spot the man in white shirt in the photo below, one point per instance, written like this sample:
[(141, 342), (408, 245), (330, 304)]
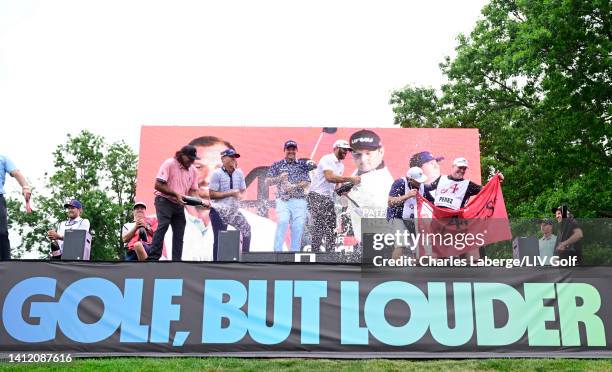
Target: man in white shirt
[(369, 198), (74, 209), (547, 242), (320, 198)]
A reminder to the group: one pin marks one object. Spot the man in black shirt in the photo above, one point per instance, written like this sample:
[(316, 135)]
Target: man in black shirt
[(568, 236)]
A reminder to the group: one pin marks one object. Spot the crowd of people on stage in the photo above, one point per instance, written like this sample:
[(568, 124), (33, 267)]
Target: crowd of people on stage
[(198, 193)]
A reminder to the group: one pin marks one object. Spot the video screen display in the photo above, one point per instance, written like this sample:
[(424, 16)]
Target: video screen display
[(259, 147)]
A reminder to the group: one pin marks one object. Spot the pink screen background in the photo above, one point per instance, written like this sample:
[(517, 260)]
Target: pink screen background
[(262, 146)]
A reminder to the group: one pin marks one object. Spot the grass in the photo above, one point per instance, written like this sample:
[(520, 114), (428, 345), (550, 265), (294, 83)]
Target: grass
[(259, 365)]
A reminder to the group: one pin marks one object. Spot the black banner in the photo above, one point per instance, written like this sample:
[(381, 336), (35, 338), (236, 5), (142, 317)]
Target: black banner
[(303, 310)]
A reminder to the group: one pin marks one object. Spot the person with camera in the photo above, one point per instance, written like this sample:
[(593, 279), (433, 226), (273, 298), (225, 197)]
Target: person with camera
[(74, 209), (327, 176), (569, 235), (138, 235), (227, 187), (291, 179)]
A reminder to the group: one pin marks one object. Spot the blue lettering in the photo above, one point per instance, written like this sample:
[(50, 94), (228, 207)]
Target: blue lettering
[(163, 309), (311, 293), (215, 309), (350, 331), (44, 311), (374, 313), (283, 311)]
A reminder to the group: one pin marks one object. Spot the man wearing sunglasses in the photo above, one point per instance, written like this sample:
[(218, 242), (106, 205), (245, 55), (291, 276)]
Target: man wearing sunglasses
[(74, 209)]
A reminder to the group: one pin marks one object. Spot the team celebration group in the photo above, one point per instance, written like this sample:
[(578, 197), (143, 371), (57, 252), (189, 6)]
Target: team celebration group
[(199, 192)]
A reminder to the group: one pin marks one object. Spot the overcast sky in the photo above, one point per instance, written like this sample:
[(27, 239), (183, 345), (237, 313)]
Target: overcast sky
[(111, 66)]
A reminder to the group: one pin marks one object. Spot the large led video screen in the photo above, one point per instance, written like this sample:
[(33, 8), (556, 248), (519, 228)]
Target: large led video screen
[(259, 147)]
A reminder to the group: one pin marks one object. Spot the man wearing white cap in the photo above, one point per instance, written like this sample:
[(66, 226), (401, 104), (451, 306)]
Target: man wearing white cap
[(138, 235), (402, 202), (453, 191), (320, 198)]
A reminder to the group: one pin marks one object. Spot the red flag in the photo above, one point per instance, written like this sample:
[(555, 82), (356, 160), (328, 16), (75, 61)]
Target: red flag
[(482, 221)]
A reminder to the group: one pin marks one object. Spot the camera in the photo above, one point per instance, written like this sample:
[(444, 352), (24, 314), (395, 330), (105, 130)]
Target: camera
[(142, 234)]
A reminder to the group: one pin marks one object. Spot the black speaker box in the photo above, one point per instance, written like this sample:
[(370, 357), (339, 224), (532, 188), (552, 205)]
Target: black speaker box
[(77, 245), (229, 246), (525, 247)]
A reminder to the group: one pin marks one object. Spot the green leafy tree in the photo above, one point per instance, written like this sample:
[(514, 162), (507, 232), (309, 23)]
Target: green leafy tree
[(102, 176), (535, 78)]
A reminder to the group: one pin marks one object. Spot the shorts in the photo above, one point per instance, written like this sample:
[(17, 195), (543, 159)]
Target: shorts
[(131, 253)]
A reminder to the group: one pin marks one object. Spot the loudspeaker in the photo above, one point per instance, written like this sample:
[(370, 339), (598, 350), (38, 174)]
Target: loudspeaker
[(77, 245), (525, 247), (229, 246)]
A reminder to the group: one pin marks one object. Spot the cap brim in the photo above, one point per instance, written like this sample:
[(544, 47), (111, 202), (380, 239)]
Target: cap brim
[(365, 147), (439, 158), (422, 179), (68, 205)]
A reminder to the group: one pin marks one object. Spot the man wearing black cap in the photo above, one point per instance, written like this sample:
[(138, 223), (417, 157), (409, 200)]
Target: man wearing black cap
[(428, 163), (369, 198), (227, 187), (291, 178), (567, 244), (177, 177), (73, 208)]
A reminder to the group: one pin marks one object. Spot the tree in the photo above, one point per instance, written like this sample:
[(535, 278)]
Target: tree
[(534, 77), (101, 176)]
